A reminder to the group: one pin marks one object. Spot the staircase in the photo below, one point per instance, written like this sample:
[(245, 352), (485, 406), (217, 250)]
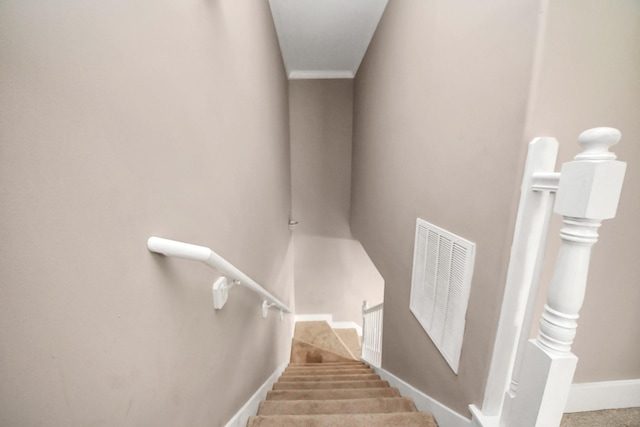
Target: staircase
[(326, 386)]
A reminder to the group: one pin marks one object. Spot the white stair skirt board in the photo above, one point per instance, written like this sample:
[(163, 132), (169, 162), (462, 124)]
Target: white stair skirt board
[(603, 395), (445, 416), (251, 407), (329, 319)]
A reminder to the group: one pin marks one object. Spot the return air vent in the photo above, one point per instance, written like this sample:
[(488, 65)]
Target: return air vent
[(442, 271)]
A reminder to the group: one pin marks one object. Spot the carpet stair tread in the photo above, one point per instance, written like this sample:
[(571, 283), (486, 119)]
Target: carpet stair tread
[(325, 386), (400, 419)]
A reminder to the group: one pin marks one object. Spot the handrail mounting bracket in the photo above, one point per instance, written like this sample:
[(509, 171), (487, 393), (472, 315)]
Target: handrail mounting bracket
[(265, 309), (221, 291)]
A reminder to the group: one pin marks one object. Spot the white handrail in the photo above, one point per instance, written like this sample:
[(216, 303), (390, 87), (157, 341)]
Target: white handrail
[(539, 185), (174, 248), (367, 310)]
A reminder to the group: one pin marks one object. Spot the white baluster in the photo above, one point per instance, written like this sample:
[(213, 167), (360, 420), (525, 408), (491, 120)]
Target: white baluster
[(365, 330)]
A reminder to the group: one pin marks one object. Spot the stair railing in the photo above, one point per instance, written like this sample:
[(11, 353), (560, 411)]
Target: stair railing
[(221, 287), (529, 380), (372, 334), (525, 266)]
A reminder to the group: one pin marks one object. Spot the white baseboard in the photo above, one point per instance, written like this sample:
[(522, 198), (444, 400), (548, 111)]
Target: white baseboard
[(251, 407), (444, 416), (603, 395), (314, 317)]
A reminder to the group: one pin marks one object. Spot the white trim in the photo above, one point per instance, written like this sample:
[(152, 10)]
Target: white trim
[(250, 408), (314, 318), (603, 395), (320, 74), (372, 309), (523, 275), (480, 420), (444, 415)]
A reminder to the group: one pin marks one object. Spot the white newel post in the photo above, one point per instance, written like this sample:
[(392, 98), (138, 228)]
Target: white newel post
[(588, 192)]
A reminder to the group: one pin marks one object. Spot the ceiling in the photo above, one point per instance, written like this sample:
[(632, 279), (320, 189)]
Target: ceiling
[(324, 39)]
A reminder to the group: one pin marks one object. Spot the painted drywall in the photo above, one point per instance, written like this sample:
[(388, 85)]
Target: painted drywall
[(589, 75), (325, 39), (440, 103), (333, 274), (119, 121)]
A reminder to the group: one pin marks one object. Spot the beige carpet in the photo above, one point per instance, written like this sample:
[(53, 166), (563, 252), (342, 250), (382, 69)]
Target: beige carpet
[(351, 339), (347, 394), (325, 386), (320, 334), (607, 418)]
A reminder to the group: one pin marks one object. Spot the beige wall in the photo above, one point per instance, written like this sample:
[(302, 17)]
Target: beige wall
[(446, 100), (333, 274), (589, 75), (440, 104), (121, 120)]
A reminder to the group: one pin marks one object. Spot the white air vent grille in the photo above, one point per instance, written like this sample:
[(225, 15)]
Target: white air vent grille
[(442, 270)]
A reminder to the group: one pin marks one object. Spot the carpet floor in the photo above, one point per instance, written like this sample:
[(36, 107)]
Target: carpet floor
[(606, 418)]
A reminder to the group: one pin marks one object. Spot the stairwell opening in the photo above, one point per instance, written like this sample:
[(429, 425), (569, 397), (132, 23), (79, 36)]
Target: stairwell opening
[(333, 273)]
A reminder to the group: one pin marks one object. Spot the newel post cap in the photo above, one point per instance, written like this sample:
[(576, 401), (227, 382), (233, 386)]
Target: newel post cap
[(596, 143), (590, 185)]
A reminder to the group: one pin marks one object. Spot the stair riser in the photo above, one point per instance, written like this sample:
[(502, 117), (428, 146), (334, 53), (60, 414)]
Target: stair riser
[(326, 368), (363, 393), (326, 364), (330, 385), (354, 406), (321, 378), (302, 372), (326, 374)]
